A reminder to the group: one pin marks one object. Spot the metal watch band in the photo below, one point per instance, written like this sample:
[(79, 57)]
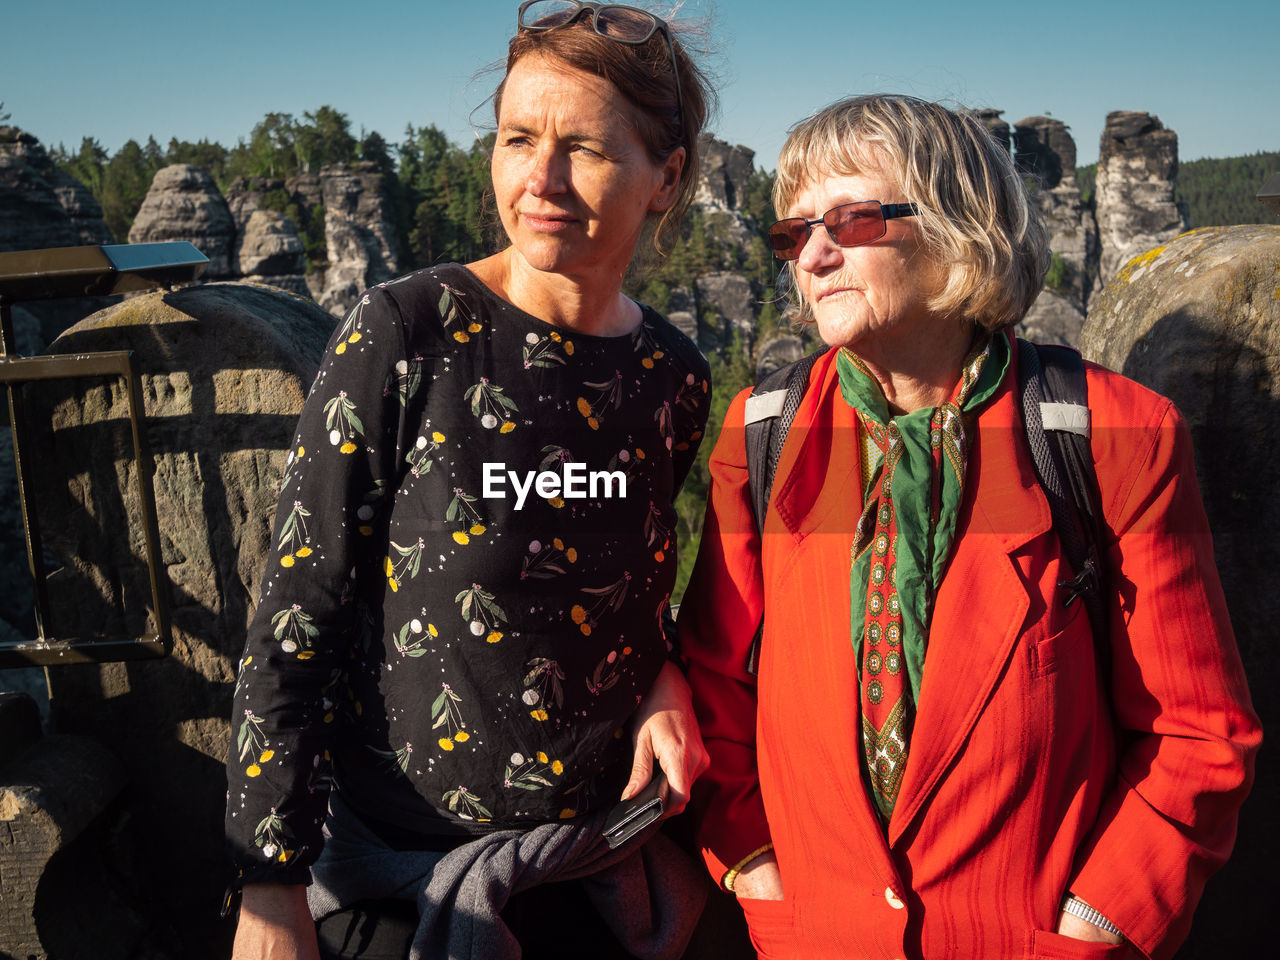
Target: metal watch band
[(1078, 908)]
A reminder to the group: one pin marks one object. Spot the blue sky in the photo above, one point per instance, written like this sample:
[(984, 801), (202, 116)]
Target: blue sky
[(135, 68)]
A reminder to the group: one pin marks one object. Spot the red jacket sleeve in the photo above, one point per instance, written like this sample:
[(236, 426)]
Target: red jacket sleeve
[(1187, 730), (719, 615)]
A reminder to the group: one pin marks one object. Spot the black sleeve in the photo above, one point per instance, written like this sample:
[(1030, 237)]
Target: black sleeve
[(328, 515)]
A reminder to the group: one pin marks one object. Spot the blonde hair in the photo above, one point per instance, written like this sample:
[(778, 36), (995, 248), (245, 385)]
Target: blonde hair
[(974, 214)]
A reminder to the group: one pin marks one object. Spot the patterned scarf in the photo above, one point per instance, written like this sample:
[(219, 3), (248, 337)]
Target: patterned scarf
[(913, 483)]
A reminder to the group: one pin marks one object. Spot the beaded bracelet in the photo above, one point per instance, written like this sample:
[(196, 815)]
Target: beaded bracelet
[(732, 875)]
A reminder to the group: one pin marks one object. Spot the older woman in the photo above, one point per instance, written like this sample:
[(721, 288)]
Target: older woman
[(463, 628), (930, 761)]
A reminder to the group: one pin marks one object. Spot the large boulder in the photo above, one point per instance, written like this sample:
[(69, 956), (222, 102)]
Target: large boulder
[(1137, 167), (224, 370), (184, 204), (1198, 320), (269, 250), (268, 246)]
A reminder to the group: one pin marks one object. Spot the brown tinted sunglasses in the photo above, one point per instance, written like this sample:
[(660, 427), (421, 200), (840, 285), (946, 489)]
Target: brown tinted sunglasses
[(849, 225)]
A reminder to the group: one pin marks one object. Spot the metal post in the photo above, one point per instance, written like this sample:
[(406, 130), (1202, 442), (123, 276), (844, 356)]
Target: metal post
[(30, 520)]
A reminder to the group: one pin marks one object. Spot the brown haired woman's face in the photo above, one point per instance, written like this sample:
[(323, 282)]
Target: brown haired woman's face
[(881, 288), (572, 179)]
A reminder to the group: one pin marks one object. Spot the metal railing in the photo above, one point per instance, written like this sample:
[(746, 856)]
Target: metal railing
[(79, 272)]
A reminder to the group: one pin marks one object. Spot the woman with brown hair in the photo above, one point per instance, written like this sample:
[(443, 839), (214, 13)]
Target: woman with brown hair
[(460, 661)]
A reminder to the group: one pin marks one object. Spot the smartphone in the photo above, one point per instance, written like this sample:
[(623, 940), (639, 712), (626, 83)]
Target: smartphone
[(631, 816)]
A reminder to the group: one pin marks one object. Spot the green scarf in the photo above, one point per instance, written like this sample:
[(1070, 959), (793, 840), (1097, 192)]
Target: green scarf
[(914, 472)]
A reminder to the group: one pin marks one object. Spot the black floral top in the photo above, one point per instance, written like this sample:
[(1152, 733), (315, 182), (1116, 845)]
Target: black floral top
[(474, 551)]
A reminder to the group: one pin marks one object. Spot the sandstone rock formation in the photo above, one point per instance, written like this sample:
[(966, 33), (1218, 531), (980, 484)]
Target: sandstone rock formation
[(995, 124), (225, 368), (722, 302), (82, 209), (267, 248), (306, 189), (727, 304), (31, 217), (360, 234), (722, 186), (40, 206), (725, 171), (1198, 320), (184, 204), (240, 234), (683, 312), (1046, 153), (246, 194), (1046, 150), (1137, 166), (64, 892), (778, 352), (1052, 319)]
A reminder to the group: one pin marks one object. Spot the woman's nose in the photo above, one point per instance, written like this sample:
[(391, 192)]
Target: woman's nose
[(548, 173), (819, 252)]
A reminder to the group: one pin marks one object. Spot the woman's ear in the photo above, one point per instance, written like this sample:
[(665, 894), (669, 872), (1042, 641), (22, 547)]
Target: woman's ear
[(669, 188)]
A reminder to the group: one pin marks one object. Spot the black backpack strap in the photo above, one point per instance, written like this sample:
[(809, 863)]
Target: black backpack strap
[(771, 407), (1055, 408)]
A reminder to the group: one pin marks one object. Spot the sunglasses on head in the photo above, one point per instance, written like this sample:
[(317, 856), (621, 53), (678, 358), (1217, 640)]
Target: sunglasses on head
[(616, 21), (849, 225)]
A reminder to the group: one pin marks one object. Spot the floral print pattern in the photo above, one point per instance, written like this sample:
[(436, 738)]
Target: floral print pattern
[(451, 662)]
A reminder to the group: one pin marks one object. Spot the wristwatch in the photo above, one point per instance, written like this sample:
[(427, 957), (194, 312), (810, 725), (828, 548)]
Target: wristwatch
[(1078, 908)]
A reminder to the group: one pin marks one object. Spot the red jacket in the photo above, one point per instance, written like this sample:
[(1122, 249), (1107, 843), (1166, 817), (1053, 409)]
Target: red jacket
[(1026, 779)]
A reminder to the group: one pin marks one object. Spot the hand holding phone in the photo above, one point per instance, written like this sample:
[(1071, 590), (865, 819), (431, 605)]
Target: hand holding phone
[(632, 815)]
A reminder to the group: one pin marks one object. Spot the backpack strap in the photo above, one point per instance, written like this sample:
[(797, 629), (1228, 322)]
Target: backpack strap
[(1055, 409), (770, 409)]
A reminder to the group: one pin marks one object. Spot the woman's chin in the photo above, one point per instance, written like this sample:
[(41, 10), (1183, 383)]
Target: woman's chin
[(561, 255), (545, 252), (842, 329)]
